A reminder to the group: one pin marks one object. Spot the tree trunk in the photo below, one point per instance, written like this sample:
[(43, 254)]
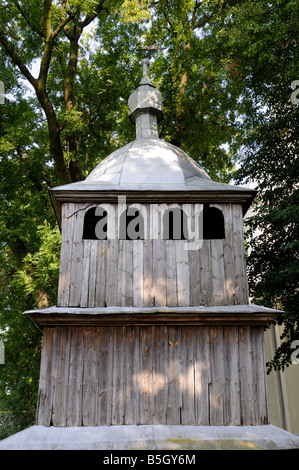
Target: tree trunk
[(54, 135), (72, 139)]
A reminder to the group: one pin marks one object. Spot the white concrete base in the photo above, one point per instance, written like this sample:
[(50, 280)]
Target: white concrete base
[(151, 437)]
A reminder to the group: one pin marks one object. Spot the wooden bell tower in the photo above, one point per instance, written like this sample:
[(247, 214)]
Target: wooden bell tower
[(153, 324)]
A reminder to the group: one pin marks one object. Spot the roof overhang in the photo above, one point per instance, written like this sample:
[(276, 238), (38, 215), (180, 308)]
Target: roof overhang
[(226, 315), (234, 194)]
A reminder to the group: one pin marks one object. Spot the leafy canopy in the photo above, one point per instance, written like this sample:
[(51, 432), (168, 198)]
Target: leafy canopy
[(224, 70)]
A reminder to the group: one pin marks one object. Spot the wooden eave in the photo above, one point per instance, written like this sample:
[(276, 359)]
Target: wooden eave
[(228, 315), (243, 196)]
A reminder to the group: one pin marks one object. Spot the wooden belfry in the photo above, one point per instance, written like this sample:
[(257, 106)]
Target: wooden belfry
[(152, 326)]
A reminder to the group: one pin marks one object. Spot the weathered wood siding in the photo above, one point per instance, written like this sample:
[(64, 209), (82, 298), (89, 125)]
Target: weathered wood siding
[(151, 272), (190, 375)]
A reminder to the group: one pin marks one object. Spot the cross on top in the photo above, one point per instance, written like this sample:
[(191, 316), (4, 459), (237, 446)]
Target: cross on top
[(149, 50)]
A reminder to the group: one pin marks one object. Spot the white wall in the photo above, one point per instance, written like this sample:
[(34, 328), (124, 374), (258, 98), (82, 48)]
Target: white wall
[(283, 388)]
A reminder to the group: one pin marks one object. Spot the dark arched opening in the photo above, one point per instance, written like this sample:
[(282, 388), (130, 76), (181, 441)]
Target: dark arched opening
[(213, 223), (90, 222)]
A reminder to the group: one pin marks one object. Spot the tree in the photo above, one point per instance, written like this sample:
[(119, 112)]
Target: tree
[(46, 30), (215, 65), (200, 94), (47, 137), (267, 54)]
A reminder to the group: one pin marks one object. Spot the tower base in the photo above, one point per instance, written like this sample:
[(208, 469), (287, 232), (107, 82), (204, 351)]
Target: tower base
[(152, 437)]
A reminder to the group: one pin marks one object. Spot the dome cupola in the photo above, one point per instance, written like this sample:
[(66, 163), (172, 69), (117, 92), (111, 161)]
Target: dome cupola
[(149, 165)]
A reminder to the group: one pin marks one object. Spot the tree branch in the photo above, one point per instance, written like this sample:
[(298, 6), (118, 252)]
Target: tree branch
[(63, 24), (90, 18), (45, 62), (17, 60), (203, 21), (28, 21), (207, 18), (17, 247)]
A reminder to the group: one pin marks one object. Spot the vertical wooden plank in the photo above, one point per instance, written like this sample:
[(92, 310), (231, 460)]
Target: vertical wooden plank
[(187, 376), (63, 336), (182, 272), (228, 243), (245, 361), (159, 256), (259, 377), (84, 282), (104, 406), (65, 254), (111, 271), (171, 274), (264, 413), (202, 377), (129, 285), (121, 272), (77, 256), (218, 276), (54, 361), (206, 286), (75, 382), (172, 380), (194, 277), (148, 261), (137, 273), (46, 380), (222, 260), (118, 367), (239, 255), (92, 273), (90, 377), (232, 383), (146, 402), (160, 374), (55, 352), (148, 273), (101, 273), (217, 387), (159, 272), (132, 375)]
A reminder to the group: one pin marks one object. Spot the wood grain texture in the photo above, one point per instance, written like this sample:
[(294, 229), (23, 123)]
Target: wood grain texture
[(152, 272), (199, 375), (66, 254), (75, 387), (46, 380)]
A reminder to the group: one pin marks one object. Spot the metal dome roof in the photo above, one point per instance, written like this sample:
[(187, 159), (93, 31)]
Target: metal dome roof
[(148, 165)]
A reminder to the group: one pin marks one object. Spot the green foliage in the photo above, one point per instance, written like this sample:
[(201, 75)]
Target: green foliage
[(270, 159), (224, 70), (38, 275), (200, 96), (273, 264), (34, 284)]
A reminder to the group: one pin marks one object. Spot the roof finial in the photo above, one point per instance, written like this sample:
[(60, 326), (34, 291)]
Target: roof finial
[(146, 62), (149, 50), (145, 78), (145, 104)]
